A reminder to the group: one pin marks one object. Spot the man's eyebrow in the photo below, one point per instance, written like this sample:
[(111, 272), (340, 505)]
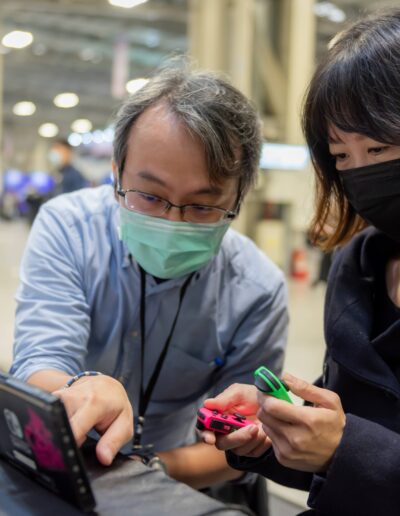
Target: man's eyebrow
[(144, 174), (208, 190)]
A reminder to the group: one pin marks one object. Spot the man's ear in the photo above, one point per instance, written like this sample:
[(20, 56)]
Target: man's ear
[(115, 176), (114, 171)]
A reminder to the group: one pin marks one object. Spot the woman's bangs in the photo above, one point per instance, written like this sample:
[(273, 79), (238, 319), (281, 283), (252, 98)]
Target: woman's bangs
[(344, 100)]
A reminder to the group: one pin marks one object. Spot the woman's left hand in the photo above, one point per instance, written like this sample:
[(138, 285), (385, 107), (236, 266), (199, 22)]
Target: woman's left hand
[(303, 437)]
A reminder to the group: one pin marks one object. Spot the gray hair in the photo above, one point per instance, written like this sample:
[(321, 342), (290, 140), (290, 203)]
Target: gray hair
[(210, 107)]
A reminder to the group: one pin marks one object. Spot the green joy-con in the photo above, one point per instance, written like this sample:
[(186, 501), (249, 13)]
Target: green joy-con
[(269, 384)]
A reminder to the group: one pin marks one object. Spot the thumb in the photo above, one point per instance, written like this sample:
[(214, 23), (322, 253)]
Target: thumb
[(238, 397), (309, 392)]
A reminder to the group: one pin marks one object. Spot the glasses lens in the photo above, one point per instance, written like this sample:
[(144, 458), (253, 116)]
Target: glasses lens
[(203, 214), (144, 203)]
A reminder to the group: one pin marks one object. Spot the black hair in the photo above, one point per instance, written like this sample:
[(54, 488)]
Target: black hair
[(211, 108), (356, 88)]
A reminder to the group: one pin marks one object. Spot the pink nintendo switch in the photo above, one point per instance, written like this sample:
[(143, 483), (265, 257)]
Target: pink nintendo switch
[(218, 422)]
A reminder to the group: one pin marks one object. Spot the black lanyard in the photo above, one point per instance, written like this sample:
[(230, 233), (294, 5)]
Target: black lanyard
[(145, 394)]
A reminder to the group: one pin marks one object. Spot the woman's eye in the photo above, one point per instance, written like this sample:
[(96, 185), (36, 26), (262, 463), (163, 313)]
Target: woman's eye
[(378, 150), (340, 156)]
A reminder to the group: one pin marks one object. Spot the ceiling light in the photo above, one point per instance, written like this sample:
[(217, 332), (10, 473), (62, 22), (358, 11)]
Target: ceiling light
[(127, 4), (109, 134), (48, 130), (97, 136), (135, 84), (24, 108), (66, 100), (81, 125), (17, 39), (87, 138), (75, 139), (330, 11)]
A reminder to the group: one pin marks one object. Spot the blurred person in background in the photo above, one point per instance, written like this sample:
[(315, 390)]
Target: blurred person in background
[(344, 444), (146, 283), (61, 158)]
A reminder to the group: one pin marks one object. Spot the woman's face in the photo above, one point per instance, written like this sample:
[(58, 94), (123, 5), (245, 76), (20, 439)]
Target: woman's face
[(353, 150)]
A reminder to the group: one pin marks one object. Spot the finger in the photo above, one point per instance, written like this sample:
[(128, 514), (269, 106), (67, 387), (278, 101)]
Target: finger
[(207, 437), (83, 420), (309, 392), (275, 436), (288, 413), (259, 450), (276, 414), (236, 439), (256, 447), (240, 397), (117, 434), (262, 448)]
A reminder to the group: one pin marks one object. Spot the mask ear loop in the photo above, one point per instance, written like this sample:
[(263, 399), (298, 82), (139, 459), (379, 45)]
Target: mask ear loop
[(239, 200)]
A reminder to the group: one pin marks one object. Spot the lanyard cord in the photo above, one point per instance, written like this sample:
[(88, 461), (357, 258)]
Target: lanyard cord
[(145, 394)]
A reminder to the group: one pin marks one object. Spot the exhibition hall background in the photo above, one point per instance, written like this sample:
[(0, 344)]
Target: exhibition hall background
[(65, 67)]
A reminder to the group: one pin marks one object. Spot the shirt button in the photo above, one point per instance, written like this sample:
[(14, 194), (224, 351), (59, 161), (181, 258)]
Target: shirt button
[(135, 333)]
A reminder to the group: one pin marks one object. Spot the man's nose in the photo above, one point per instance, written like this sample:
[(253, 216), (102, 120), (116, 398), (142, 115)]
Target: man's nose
[(174, 214)]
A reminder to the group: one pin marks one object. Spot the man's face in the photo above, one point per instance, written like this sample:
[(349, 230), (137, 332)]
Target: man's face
[(165, 159)]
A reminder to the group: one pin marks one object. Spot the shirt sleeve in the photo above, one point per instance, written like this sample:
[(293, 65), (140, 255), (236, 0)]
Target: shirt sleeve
[(260, 339), (52, 319)]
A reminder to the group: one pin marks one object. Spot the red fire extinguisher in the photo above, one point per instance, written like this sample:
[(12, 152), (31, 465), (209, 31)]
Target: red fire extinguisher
[(299, 269)]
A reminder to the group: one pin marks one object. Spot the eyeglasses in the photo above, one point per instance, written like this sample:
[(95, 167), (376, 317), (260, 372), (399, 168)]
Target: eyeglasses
[(155, 206)]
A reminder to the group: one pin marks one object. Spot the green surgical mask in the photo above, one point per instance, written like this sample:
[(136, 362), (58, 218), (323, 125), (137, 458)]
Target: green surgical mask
[(168, 249)]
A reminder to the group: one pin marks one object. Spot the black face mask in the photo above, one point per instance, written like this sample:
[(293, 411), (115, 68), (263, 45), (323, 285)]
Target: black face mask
[(374, 193)]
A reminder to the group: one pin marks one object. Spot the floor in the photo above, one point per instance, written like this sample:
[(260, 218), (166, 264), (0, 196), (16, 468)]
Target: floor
[(304, 353)]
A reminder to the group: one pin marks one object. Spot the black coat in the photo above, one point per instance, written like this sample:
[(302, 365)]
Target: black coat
[(364, 476)]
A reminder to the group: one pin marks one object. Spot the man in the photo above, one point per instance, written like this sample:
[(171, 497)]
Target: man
[(60, 156), (148, 285)]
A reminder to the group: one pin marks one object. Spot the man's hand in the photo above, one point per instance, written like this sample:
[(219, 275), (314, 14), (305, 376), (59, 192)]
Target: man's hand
[(99, 402), (303, 437), (249, 441)]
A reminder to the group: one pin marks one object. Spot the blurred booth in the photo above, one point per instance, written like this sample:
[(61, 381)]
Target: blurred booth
[(283, 202)]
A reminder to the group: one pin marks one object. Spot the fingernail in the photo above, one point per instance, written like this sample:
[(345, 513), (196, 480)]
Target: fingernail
[(107, 455)]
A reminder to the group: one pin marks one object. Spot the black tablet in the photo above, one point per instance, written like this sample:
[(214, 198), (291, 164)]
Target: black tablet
[(36, 438)]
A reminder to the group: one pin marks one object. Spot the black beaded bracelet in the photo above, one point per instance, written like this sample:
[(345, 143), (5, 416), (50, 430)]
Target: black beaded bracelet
[(80, 375)]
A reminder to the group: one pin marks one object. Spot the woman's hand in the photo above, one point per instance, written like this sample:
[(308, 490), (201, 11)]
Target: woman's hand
[(303, 437), (249, 441)]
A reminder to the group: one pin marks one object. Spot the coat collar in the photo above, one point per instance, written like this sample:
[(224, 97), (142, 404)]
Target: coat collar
[(349, 310)]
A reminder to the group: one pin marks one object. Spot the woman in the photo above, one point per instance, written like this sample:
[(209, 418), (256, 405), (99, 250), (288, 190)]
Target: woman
[(344, 444)]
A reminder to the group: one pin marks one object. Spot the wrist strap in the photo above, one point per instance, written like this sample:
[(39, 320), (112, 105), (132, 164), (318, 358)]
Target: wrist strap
[(80, 375)]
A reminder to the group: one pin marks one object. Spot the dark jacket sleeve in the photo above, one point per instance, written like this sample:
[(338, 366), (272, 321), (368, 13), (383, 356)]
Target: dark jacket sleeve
[(364, 476), (269, 467)]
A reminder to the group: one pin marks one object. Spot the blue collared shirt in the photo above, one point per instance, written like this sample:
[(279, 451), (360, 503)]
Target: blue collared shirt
[(78, 307)]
